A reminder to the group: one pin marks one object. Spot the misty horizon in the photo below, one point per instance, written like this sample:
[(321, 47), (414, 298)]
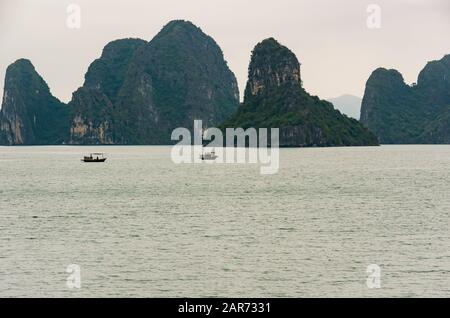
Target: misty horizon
[(337, 58)]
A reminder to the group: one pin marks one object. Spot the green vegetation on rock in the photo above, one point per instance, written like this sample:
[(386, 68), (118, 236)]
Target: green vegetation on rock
[(401, 114), (274, 98), (138, 91)]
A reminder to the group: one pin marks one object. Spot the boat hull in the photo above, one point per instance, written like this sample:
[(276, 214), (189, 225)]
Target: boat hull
[(94, 160)]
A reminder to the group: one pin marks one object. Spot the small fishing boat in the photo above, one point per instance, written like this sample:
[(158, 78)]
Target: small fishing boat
[(209, 156), (94, 157)]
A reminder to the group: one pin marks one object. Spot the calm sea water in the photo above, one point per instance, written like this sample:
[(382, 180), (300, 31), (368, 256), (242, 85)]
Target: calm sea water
[(140, 225)]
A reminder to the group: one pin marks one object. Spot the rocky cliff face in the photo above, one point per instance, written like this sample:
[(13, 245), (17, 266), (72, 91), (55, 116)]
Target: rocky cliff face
[(30, 114), (434, 82), (92, 106), (138, 91), (274, 97), (401, 114)]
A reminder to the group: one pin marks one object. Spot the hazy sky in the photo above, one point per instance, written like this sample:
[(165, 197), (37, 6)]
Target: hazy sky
[(331, 39)]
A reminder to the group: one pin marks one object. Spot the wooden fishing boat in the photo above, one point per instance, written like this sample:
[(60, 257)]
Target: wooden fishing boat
[(94, 157)]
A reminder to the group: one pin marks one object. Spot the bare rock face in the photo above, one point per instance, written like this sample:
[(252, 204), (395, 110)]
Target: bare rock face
[(268, 71), (30, 114), (301, 136), (92, 118), (92, 106), (401, 114), (274, 98)]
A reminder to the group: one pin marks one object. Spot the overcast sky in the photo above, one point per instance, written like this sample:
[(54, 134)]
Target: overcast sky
[(331, 39)]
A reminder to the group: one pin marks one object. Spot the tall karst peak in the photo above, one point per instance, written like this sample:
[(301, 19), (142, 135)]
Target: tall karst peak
[(137, 92), (275, 98), (272, 65), (398, 113), (29, 113)]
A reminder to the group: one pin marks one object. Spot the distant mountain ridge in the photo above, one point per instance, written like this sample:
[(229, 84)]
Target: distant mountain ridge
[(401, 114), (347, 104)]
